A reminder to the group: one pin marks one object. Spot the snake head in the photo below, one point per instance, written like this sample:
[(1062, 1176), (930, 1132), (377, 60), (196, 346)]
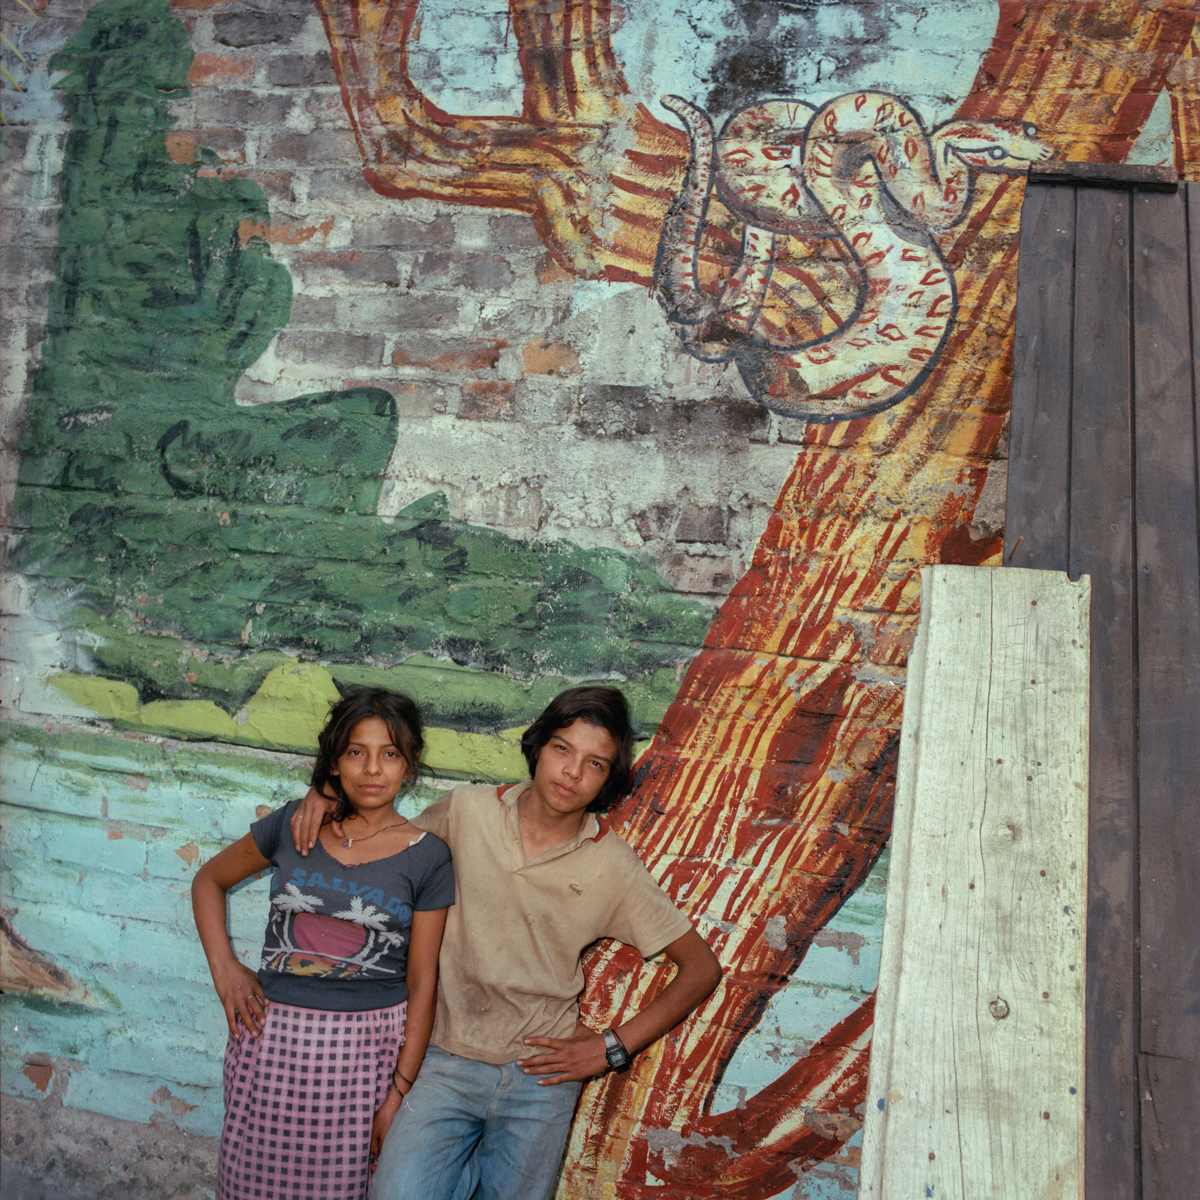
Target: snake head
[(992, 145)]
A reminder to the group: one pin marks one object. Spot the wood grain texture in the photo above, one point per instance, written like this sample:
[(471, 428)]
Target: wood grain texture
[(1101, 543), (985, 1080), (1170, 1091), (883, 1036), (1106, 175), (1168, 601), (1039, 455)]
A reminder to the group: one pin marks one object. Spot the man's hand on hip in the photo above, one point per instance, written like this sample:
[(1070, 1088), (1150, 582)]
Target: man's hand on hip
[(568, 1060)]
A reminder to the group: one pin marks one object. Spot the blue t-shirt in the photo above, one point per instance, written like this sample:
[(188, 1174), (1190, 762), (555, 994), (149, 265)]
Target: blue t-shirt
[(338, 936)]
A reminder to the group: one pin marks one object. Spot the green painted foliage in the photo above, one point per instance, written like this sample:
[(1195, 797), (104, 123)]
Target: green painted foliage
[(168, 511)]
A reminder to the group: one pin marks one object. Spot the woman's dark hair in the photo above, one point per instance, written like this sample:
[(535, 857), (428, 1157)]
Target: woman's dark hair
[(602, 706), (395, 710)]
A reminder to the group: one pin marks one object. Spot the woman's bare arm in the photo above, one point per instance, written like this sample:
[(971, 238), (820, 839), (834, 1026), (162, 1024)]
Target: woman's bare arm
[(238, 988)]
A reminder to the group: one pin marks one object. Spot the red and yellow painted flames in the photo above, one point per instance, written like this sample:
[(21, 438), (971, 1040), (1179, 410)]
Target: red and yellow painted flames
[(766, 794)]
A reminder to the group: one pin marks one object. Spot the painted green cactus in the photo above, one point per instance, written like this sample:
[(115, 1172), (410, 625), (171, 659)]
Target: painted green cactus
[(165, 509)]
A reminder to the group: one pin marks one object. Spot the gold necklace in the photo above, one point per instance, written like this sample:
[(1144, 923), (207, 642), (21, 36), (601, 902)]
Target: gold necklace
[(347, 842)]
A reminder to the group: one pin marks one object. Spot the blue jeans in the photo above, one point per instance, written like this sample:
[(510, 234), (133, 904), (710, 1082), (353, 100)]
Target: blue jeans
[(466, 1122)]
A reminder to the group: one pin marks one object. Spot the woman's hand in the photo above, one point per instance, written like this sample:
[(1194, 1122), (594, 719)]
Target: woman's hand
[(307, 820), (237, 986), (241, 995), (384, 1117)]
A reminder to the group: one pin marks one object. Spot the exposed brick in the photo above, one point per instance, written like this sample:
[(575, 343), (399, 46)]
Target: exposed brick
[(222, 68), (340, 185), (549, 271), (228, 144), (515, 233), (277, 184), (256, 27), (701, 524), (402, 233), (367, 266), (542, 406), (243, 108), (426, 312), (312, 149), (655, 522), (487, 273), (328, 109), (332, 348), (487, 401), (615, 411), (417, 399), (557, 358), (285, 234), (449, 354), (480, 272), (435, 268), (13, 143), (302, 70), (699, 573), (722, 421), (320, 311)]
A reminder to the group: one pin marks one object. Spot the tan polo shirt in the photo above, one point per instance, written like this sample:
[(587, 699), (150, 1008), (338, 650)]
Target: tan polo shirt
[(510, 962)]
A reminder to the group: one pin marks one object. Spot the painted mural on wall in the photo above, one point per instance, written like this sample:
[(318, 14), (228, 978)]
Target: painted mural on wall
[(155, 497), (846, 259), (838, 300)]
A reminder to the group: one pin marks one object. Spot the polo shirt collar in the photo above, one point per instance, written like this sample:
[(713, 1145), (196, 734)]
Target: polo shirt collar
[(594, 827)]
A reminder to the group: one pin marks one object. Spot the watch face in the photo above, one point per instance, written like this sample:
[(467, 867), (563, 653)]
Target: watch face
[(614, 1052)]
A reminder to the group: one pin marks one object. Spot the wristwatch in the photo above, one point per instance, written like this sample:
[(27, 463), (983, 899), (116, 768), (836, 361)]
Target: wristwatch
[(614, 1050)]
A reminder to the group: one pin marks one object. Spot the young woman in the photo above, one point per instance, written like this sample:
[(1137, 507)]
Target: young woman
[(327, 1037)]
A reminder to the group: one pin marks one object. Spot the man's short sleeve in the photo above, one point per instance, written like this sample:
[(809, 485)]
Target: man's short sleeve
[(436, 818), (645, 916)]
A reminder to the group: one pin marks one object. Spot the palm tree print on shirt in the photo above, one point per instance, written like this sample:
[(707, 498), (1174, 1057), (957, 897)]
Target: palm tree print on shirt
[(329, 947)]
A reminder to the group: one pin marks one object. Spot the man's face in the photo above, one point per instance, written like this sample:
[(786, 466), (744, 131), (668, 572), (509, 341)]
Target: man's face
[(573, 767)]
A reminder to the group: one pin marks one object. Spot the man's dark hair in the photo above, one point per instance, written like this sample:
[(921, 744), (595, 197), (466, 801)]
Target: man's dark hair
[(394, 709), (605, 707)]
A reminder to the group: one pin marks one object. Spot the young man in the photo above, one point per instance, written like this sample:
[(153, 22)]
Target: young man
[(540, 877)]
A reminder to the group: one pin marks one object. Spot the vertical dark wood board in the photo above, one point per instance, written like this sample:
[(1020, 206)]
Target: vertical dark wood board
[(1170, 1090), (1036, 504), (1168, 596), (1100, 543)]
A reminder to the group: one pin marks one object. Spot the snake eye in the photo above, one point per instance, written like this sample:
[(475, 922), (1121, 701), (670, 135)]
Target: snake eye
[(996, 153), (1030, 129)]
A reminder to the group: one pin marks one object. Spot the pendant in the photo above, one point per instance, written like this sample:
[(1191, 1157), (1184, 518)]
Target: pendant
[(347, 843)]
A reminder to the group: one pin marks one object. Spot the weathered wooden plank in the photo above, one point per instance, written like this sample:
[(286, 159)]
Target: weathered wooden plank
[(883, 1033), (1101, 544), (1168, 601), (985, 1085), (1039, 447), (1106, 175), (1170, 1090)]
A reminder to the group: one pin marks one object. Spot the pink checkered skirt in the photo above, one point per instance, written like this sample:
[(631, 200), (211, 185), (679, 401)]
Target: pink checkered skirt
[(299, 1103)]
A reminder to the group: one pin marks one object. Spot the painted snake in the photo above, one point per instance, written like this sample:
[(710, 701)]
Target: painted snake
[(861, 171)]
